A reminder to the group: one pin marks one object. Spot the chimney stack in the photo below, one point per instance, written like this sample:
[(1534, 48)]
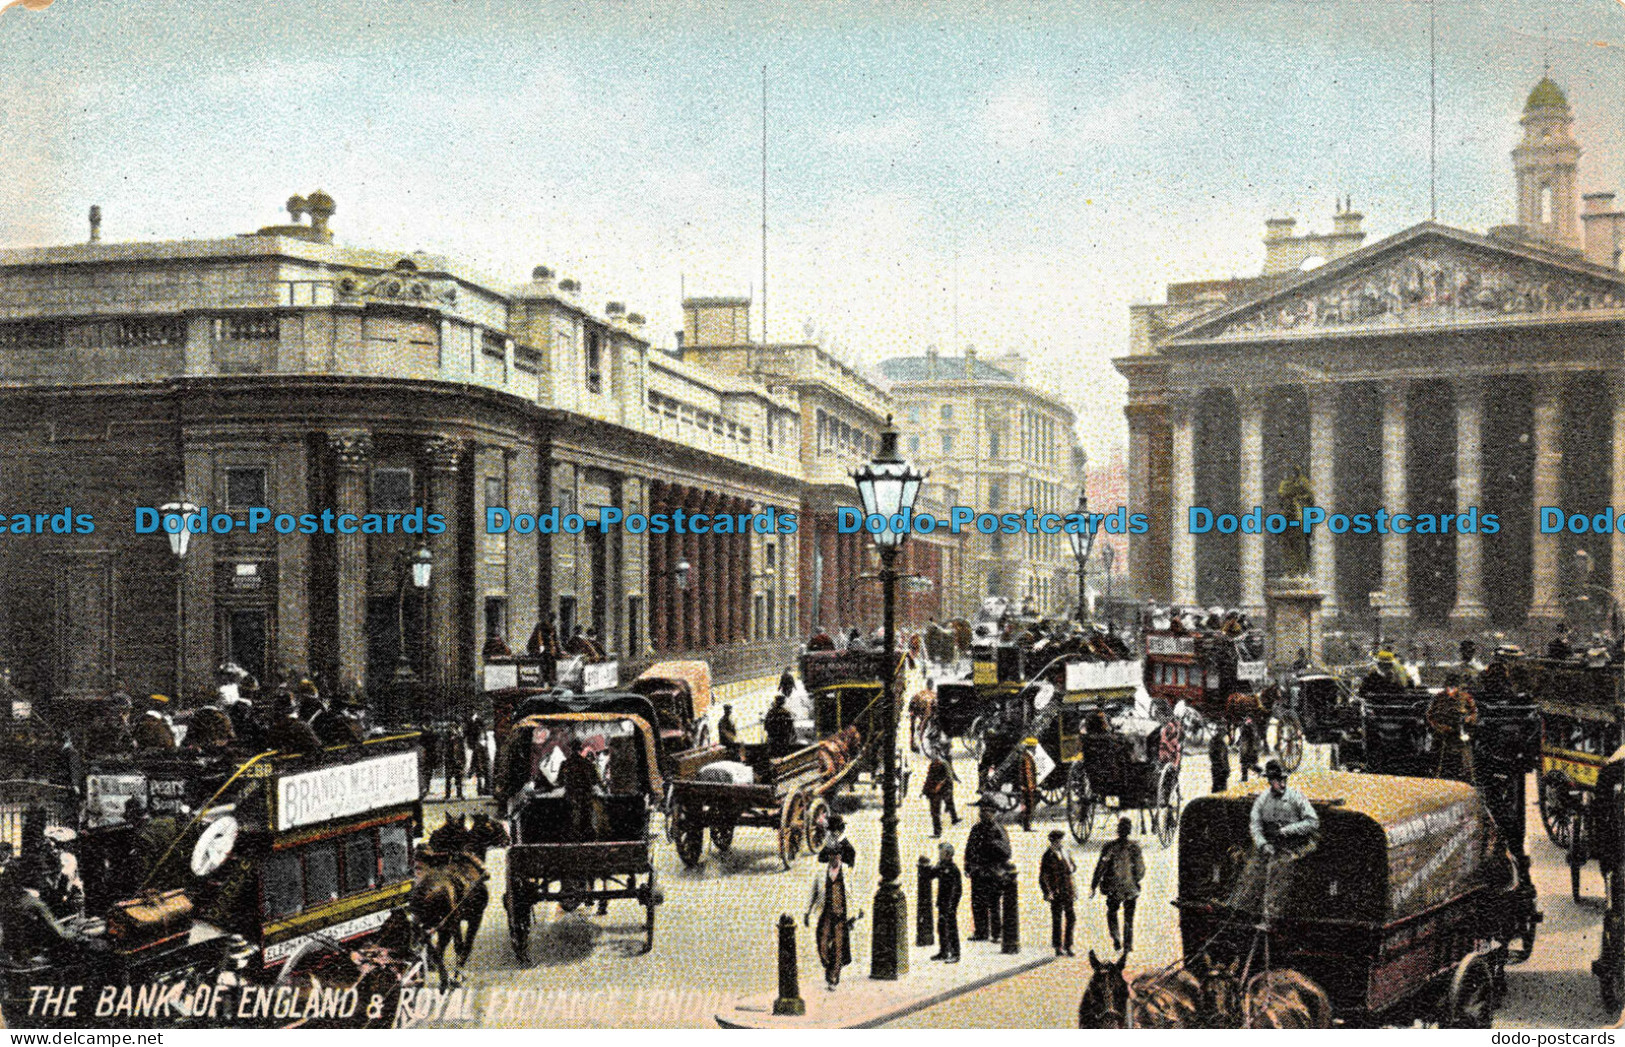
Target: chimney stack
[(95, 223), (1604, 227)]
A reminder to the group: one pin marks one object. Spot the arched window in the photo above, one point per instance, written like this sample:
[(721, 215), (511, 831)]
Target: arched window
[(1546, 205)]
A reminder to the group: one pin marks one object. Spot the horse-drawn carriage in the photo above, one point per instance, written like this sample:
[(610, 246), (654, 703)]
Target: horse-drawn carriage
[(578, 787), (1224, 680), (681, 695), (1582, 710), (1404, 908), (1120, 767)]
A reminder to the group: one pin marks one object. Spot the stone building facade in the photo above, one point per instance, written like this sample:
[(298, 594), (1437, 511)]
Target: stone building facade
[(1431, 372), (283, 370), (998, 444)]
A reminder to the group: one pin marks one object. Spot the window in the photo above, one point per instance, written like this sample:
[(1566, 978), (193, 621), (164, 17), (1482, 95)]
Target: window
[(914, 445), (947, 443), (395, 850), (391, 490), (496, 617), (913, 416), (1545, 205), (993, 444), (947, 412), (491, 344), (282, 885), (995, 495), (360, 864), (772, 552), (321, 874), (247, 327), (634, 625), (245, 487), (595, 362), (493, 491)]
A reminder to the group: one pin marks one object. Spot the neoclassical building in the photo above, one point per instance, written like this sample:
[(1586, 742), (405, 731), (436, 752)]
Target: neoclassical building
[(1433, 371), (281, 369)]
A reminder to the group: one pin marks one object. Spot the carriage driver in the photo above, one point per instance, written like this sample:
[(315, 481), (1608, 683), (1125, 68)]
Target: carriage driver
[(1284, 828)]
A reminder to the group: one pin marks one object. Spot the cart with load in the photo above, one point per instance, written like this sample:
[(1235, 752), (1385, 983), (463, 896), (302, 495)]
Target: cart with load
[(578, 788), (1402, 908)]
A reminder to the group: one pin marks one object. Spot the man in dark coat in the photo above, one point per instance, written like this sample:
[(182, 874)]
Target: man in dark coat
[(780, 727), (727, 731), (987, 852), (834, 935), (1055, 871), (480, 756), (290, 734), (1117, 876), (1218, 757), (939, 791), (152, 729), (1027, 782), (950, 887), (578, 775)]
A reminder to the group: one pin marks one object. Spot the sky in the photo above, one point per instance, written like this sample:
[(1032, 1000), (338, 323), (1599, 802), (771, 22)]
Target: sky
[(1008, 175)]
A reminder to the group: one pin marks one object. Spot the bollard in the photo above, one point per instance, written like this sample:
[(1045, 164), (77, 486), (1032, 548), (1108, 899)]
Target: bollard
[(789, 1001), (925, 932), (1012, 916)]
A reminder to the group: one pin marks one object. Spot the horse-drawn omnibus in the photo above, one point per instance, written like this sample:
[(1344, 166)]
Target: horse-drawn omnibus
[(1224, 680), (1582, 710)]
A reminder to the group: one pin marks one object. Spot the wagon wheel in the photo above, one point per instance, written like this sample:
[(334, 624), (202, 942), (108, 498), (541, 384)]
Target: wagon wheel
[(1053, 796), (817, 824), (1556, 810), (1610, 967), (974, 740), (1471, 1001), (690, 838), (1166, 816), (518, 926), (792, 827), (1286, 740), (722, 837), (1080, 804), (668, 810)]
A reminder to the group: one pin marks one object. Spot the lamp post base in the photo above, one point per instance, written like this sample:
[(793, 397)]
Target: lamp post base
[(889, 953)]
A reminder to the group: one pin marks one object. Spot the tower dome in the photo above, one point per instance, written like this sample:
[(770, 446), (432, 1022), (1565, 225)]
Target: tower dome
[(1546, 163), (1546, 95)]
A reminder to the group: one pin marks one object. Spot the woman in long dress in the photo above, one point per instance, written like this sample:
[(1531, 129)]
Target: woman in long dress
[(829, 891)]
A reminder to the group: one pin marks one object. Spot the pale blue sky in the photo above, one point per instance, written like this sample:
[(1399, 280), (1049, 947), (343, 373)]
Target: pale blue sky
[(1076, 157)]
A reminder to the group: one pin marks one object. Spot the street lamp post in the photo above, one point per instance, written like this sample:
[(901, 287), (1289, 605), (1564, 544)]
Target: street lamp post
[(179, 540), (1108, 556), (1082, 540), (416, 570), (888, 485)]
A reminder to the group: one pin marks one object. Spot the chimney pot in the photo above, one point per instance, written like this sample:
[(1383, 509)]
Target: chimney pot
[(615, 308), (95, 223), (541, 274), (570, 286)]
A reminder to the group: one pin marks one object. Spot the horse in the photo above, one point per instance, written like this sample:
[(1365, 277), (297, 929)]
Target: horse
[(1200, 996), (448, 902), (1285, 999), (1105, 1002)]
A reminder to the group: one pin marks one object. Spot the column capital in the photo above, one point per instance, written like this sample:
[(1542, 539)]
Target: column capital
[(1469, 386), (1322, 396), (1394, 392), (352, 447), (1549, 385), (1249, 398), (444, 452)]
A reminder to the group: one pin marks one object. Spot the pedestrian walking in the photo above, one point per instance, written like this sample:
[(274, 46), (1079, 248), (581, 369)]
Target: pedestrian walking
[(834, 934), (1028, 781), (987, 852), (939, 791), (1117, 876), (480, 764), (1218, 757), (950, 886), (1055, 871)]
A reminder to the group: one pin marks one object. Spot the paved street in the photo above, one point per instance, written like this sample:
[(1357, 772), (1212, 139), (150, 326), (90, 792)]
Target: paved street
[(715, 933)]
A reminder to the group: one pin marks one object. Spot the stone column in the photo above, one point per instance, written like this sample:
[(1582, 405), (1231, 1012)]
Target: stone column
[(830, 583), (658, 569), (741, 576), (1469, 613), (706, 578), (1396, 607), (1182, 565), (1545, 603), (1616, 385), (1323, 485), (290, 494), (1251, 403), (446, 580), (1139, 495), (690, 599), (352, 450)]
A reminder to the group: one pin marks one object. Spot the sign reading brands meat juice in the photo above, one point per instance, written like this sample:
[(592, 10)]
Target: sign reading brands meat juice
[(337, 792)]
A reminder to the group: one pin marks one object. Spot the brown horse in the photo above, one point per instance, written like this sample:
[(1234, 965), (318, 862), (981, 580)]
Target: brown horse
[(1105, 1003), (1203, 995), (450, 895)]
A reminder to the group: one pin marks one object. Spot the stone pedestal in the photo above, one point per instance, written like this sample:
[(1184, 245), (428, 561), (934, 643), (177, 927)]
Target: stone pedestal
[(1293, 605)]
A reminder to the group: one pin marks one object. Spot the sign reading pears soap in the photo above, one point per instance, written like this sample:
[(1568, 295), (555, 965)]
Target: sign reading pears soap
[(352, 788)]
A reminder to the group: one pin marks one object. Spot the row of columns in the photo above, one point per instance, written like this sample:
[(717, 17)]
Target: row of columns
[(715, 608), (844, 600), (1469, 608)]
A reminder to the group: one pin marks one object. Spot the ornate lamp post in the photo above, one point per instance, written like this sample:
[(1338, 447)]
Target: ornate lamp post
[(179, 540), (888, 486), (1108, 556), (1081, 545), (416, 570)]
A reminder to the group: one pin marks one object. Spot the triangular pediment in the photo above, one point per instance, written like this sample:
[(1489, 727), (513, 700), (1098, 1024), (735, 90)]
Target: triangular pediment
[(1427, 277)]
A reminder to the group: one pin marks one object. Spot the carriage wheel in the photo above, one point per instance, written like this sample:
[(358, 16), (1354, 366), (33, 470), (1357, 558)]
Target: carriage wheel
[(817, 824), (792, 827), (1471, 1002), (690, 837), (1166, 816), (1286, 740), (518, 926), (1054, 796), (975, 743), (1556, 810), (1080, 805), (669, 810), (722, 838)]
